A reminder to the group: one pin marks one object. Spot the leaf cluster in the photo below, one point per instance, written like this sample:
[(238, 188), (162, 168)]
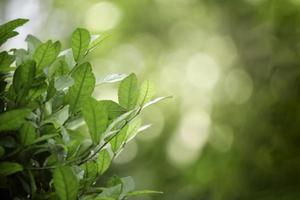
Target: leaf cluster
[(45, 95)]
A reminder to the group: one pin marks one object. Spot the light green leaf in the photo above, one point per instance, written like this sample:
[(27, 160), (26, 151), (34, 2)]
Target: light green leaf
[(63, 82), (8, 168), (95, 117), (113, 109), (80, 43), (21, 56), (133, 129), (117, 142), (65, 183), (112, 78), (103, 161), (12, 120), (58, 118), (142, 192), (27, 134), (84, 84), (32, 43), (46, 53), (128, 92), (5, 61), (146, 93), (7, 29), (90, 171), (127, 186), (97, 40), (156, 100)]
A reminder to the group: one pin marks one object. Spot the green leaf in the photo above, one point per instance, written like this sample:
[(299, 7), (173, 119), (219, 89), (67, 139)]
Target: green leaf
[(103, 161), (156, 100), (90, 171), (2, 151), (80, 43), (46, 53), (27, 134), (5, 61), (133, 129), (23, 78), (97, 40), (12, 120), (8, 168), (7, 29), (127, 186), (21, 56), (142, 192), (32, 43), (95, 117), (84, 84), (128, 92), (146, 93), (63, 82), (58, 118), (112, 78), (65, 183), (117, 142), (113, 109)]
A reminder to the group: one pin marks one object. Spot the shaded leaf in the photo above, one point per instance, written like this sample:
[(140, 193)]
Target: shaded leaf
[(2, 151), (12, 120), (5, 61), (27, 134), (63, 82), (8, 168), (7, 29), (65, 183)]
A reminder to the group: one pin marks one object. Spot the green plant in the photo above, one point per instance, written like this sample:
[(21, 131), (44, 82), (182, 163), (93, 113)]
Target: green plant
[(46, 94)]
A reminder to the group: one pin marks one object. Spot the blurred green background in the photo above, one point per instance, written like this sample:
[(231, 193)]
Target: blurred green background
[(232, 129)]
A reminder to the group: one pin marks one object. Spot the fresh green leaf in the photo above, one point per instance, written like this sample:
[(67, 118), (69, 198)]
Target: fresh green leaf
[(32, 43), (27, 134), (8, 168), (112, 78), (97, 40), (146, 93), (156, 100), (113, 109), (65, 183), (133, 129), (7, 29), (84, 84), (119, 139), (128, 92), (59, 117), (103, 161), (21, 56), (63, 82), (12, 120), (46, 53), (95, 117), (80, 43)]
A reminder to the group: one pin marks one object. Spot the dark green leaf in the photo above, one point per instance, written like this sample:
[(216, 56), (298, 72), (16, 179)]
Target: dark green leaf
[(12, 120), (7, 29), (8, 168), (5, 61), (128, 92), (2, 151), (95, 117), (66, 183), (80, 43)]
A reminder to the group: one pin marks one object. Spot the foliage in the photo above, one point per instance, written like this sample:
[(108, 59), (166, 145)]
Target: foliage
[(45, 95)]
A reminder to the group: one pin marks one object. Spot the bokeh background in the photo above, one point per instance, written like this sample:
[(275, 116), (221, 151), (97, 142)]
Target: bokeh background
[(231, 130)]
